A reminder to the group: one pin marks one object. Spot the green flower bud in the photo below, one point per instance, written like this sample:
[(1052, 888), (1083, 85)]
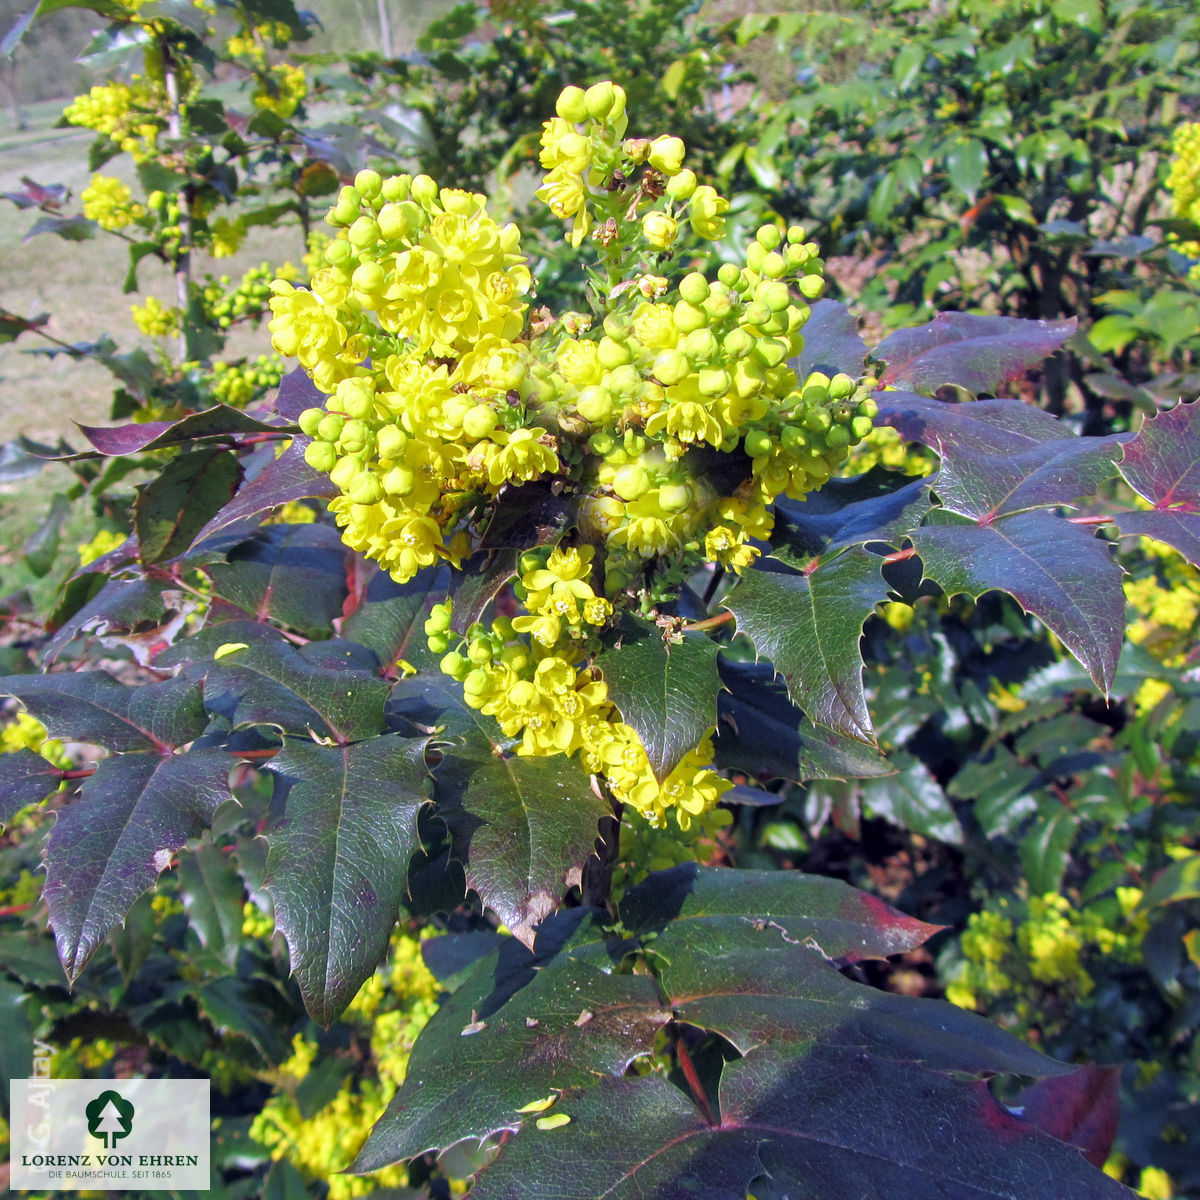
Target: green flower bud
[(610, 353), (841, 387), (321, 456), (329, 428), (571, 105), (693, 288), (671, 366), (756, 312), (837, 437), (631, 481), (598, 100), (455, 665), (796, 234), (594, 404), (774, 294), (356, 437), (355, 397), (368, 184), (737, 343), (701, 346), (666, 154), (399, 481), (438, 643), (659, 229), (475, 683), (867, 408), (817, 420), (480, 652), (479, 421), (774, 265), (718, 305), (769, 237), (757, 443), (811, 286), (400, 219), (345, 471), (714, 381), (770, 351), (424, 191), (755, 253), (310, 418), (860, 427), (680, 187), (689, 317), (637, 150), (338, 252), (364, 232), (674, 497), (366, 489), (390, 441), (396, 187), (730, 275), (439, 618)]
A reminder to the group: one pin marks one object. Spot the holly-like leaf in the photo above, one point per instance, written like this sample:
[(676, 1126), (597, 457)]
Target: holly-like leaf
[(1162, 463), (522, 827), (282, 480), (482, 577), (760, 731), (220, 420), (212, 892), (831, 342), (293, 575), (297, 392), (109, 846), (1175, 527), (344, 825), (840, 922), (70, 229), (914, 800), (481, 1060), (968, 351), (121, 605), (1081, 1109), (389, 617), (25, 778), (1059, 572), (666, 691), (1002, 426), (93, 707), (808, 626), (849, 512), (323, 689), (171, 509)]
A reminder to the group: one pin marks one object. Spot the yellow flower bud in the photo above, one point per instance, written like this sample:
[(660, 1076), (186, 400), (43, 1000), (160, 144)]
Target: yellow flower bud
[(659, 229), (572, 104), (666, 154)]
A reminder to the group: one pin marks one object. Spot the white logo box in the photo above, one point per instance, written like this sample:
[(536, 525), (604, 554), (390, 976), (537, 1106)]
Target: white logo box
[(161, 1143)]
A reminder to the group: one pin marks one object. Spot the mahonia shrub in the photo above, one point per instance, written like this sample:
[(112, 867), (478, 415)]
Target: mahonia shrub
[(665, 421)]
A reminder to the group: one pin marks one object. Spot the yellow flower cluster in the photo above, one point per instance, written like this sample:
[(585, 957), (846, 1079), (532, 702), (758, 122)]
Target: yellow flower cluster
[(109, 202), (26, 732), (668, 420), (132, 114), (398, 1000), (104, 541), (1040, 949), (155, 319), (280, 89), (532, 674), (1183, 182)]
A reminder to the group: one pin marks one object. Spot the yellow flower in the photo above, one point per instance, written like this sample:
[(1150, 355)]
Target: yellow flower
[(659, 229), (109, 202), (705, 213), (666, 154)]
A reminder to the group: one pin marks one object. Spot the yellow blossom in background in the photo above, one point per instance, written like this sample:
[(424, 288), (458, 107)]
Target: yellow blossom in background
[(110, 203), (156, 319)]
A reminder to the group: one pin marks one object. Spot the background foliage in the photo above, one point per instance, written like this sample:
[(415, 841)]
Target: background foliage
[(1042, 796)]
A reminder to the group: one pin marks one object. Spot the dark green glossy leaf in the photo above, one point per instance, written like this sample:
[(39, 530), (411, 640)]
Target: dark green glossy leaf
[(666, 691), (967, 164), (93, 707), (1059, 572), (480, 1059), (522, 827), (344, 824), (171, 509), (25, 778), (914, 800), (212, 894), (808, 626), (389, 617), (109, 846), (16, 1046), (968, 351), (760, 731), (478, 583), (294, 575)]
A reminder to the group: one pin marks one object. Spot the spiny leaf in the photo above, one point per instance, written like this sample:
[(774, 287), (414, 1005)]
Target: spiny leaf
[(522, 827), (808, 626), (389, 617), (1162, 463), (760, 731), (221, 419), (109, 846), (1175, 527), (171, 509), (343, 828), (666, 692), (212, 894), (294, 575), (119, 606), (968, 351), (480, 1060), (985, 426), (91, 706), (25, 778), (831, 342), (1057, 571)]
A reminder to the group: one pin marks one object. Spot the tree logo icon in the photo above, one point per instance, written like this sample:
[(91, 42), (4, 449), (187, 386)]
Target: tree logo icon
[(109, 1117)]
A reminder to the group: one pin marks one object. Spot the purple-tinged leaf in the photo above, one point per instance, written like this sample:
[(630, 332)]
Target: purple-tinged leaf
[(297, 392), (294, 575), (985, 426), (1162, 463), (321, 689), (1061, 573), (808, 626), (836, 920), (967, 351), (985, 486), (172, 508), (480, 1060), (849, 512), (666, 692), (761, 732), (522, 827), (831, 342), (12, 325), (343, 827), (218, 421), (282, 480), (1081, 1109), (1173, 526), (119, 607), (90, 706), (108, 847), (25, 778), (389, 618), (70, 229)]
